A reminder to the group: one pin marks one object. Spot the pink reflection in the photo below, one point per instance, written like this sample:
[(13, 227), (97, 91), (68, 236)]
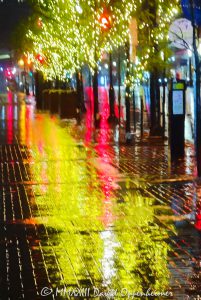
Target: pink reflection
[(103, 103), (10, 97), (89, 114), (198, 208), (106, 172), (10, 124), (104, 110), (104, 107)]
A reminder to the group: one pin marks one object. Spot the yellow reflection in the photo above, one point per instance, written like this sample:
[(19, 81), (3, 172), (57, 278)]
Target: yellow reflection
[(22, 124), (107, 176), (69, 201), (102, 235), (143, 252)]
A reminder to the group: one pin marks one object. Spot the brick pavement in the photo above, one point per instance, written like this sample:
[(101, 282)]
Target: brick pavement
[(76, 214)]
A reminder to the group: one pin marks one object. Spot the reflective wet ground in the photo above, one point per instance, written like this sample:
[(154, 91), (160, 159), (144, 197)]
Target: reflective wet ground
[(83, 216)]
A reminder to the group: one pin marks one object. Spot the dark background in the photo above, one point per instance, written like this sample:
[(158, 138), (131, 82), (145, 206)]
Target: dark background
[(12, 13)]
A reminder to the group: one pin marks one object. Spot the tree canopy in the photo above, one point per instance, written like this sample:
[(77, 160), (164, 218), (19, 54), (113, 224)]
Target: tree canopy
[(72, 33)]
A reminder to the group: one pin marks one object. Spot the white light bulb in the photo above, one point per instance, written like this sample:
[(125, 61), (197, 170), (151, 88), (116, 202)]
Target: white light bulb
[(79, 9)]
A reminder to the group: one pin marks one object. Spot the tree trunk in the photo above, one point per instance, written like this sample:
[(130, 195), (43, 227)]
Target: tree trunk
[(127, 97), (154, 102), (95, 94), (119, 84), (80, 91), (163, 108), (39, 82), (111, 92), (198, 118)]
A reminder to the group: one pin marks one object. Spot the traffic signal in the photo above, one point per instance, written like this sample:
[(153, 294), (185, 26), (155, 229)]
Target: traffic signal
[(39, 23), (8, 73), (105, 21), (40, 58), (21, 62)]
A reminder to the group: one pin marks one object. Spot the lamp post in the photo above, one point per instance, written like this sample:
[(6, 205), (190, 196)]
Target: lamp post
[(95, 77), (192, 11), (119, 84), (164, 84), (190, 67)]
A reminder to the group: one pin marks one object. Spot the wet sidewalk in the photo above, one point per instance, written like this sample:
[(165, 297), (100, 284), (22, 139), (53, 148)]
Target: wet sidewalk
[(84, 217)]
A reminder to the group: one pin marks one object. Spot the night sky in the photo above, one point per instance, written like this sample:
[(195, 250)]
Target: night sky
[(11, 12)]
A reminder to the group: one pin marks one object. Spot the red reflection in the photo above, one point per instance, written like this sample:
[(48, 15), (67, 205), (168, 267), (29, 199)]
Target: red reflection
[(106, 172), (89, 115), (10, 124), (10, 97), (198, 209), (28, 123), (104, 110), (103, 103)]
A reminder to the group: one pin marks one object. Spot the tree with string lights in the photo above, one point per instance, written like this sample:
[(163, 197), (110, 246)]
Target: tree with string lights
[(154, 21), (76, 32)]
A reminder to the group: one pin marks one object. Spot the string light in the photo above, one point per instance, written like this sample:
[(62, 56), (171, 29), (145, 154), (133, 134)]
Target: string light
[(73, 35)]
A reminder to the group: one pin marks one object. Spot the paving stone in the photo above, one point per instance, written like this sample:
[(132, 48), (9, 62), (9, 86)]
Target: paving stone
[(77, 213)]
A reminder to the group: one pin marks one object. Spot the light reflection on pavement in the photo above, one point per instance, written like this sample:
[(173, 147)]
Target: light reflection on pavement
[(100, 219)]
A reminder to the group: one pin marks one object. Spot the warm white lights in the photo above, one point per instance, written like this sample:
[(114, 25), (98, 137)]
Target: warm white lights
[(74, 35)]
